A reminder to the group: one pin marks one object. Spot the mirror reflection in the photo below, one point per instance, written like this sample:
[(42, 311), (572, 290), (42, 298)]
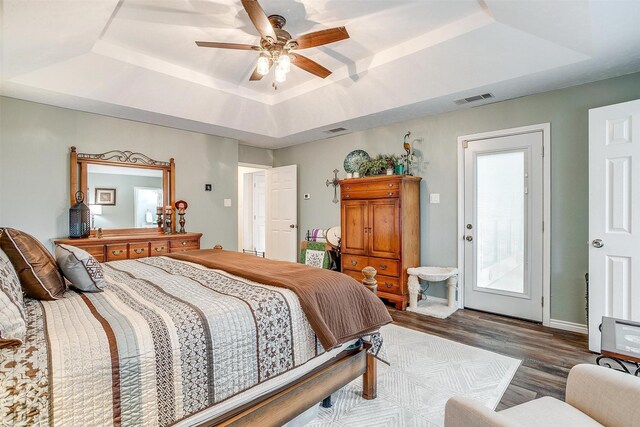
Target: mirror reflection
[(123, 197)]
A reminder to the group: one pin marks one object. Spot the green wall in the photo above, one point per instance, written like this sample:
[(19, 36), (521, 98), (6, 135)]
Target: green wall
[(34, 167), (566, 110)]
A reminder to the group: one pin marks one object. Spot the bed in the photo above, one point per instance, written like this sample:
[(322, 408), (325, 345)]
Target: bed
[(180, 341)]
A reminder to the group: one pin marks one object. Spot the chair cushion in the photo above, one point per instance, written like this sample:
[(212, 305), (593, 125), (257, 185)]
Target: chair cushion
[(80, 268), (34, 264), (547, 411), (13, 326)]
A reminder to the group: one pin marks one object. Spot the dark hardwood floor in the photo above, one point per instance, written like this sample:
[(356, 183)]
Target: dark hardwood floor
[(547, 354)]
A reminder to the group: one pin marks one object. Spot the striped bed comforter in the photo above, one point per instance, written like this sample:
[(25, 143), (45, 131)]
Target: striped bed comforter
[(164, 340)]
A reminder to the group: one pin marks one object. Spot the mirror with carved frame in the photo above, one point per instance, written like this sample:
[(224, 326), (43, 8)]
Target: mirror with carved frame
[(82, 164)]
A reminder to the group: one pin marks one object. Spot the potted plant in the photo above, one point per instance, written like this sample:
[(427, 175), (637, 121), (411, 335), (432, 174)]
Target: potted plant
[(378, 165)]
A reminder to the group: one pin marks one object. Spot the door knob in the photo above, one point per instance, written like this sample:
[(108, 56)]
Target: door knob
[(292, 226), (469, 238), (597, 243)]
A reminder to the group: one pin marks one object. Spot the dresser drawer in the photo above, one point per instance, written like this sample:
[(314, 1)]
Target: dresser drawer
[(116, 252), (370, 190), (138, 250), (159, 248), (354, 262), (375, 194), (389, 284), (358, 276), (388, 267), (96, 251), (184, 245)]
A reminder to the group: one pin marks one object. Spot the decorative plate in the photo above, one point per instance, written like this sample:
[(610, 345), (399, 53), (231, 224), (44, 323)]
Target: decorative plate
[(353, 160), (333, 236)]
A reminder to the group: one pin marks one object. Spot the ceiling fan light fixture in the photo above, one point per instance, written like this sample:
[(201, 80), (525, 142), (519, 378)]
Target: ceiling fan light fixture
[(284, 61), (263, 65), (280, 74)]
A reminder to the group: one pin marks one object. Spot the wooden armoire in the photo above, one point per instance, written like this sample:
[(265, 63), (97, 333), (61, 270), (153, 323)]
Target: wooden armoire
[(380, 220)]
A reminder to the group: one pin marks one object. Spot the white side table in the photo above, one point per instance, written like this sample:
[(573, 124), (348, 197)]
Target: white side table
[(432, 274)]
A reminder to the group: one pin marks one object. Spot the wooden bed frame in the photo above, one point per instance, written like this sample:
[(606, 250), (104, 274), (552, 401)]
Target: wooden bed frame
[(286, 403)]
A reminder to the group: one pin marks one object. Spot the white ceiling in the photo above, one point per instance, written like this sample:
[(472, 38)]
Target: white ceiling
[(137, 59)]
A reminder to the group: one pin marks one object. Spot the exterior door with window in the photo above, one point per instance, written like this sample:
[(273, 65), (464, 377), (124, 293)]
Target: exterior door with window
[(503, 220)]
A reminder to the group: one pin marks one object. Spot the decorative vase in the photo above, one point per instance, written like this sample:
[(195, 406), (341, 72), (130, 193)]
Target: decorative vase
[(399, 169)]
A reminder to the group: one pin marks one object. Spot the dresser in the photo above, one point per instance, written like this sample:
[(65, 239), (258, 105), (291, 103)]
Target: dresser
[(380, 222), (136, 245)]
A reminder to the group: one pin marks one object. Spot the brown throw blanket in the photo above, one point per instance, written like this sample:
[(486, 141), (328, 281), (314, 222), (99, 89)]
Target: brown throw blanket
[(337, 307)]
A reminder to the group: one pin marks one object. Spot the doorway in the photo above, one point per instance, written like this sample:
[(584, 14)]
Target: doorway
[(251, 209), (502, 212)]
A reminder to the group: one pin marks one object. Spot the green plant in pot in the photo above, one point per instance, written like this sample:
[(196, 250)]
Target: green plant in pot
[(378, 165)]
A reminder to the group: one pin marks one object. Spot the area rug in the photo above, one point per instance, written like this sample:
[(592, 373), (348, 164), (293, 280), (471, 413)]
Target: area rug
[(425, 372)]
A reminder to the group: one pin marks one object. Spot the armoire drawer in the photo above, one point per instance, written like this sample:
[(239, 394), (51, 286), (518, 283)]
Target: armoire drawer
[(116, 252), (354, 262), (387, 267), (389, 284), (138, 250), (159, 248)]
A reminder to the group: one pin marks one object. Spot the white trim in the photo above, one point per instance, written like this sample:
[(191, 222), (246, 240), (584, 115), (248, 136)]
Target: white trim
[(254, 165), (545, 128), (568, 326)]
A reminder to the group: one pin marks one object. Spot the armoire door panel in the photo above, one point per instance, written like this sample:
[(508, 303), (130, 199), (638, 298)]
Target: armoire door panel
[(355, 235), (384, 228)]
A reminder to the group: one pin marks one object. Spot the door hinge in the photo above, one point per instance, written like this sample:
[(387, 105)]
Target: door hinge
[(543, 226), (543, 151), (465, 144), (542, 301)]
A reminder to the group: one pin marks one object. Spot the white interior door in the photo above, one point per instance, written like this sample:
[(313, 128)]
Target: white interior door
[(282, 213), (258, 211), (614, 215), (503, 211)]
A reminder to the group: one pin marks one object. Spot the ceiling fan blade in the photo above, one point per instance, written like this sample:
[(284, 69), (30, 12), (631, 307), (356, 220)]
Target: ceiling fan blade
[(322, 37), (309, 65), (236, 46), (260, 20)]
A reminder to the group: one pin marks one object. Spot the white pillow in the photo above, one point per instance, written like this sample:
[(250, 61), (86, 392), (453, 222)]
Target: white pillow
[(80, 268), (13, 327)]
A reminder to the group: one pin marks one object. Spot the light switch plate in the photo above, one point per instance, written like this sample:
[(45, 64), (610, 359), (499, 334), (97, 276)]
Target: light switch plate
[(434, 198), (227, 203)]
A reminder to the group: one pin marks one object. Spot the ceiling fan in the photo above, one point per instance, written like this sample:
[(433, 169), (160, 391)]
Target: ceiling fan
[(276, 45)]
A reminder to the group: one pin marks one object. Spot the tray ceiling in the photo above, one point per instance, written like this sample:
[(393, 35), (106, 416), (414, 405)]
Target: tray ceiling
[(137, 59)]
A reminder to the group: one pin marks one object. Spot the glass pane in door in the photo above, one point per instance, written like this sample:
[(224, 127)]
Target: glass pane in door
[(500, 221)]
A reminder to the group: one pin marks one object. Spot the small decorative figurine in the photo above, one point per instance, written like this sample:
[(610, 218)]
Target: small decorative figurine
[(167, 220), (181, 206), (99, 233), (160, 220)]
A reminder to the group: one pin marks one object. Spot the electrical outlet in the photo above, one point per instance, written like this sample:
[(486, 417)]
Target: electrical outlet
[(207, 187), (434, 198), (307, 196)]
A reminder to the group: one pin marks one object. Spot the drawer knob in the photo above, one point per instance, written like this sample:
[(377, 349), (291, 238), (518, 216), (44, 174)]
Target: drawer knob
[(138, 251), (354, 262), (183, 243), (348, 188), (390, 185), (388, 285), (390, 193), (383, 266), (116, 252), (347, 196), (160, 249)]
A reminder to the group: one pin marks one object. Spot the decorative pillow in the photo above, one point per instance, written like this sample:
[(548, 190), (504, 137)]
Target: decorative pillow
[(80, 268), (314, 254), (34, 264), (13, 327)]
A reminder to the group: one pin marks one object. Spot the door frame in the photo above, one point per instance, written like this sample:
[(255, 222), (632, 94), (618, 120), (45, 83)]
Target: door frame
[(545, 128)]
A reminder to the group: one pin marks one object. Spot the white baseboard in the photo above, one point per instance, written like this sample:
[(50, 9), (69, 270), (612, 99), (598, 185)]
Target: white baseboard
[(568, 326)]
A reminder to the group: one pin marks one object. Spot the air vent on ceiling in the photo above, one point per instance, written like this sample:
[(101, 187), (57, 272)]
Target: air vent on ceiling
[(473, 99), (336, 130)]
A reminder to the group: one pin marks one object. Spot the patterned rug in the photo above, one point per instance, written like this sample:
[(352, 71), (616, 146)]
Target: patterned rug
[(425, 372)]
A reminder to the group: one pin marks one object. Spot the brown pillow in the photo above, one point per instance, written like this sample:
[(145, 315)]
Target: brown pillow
[(36, 267)]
